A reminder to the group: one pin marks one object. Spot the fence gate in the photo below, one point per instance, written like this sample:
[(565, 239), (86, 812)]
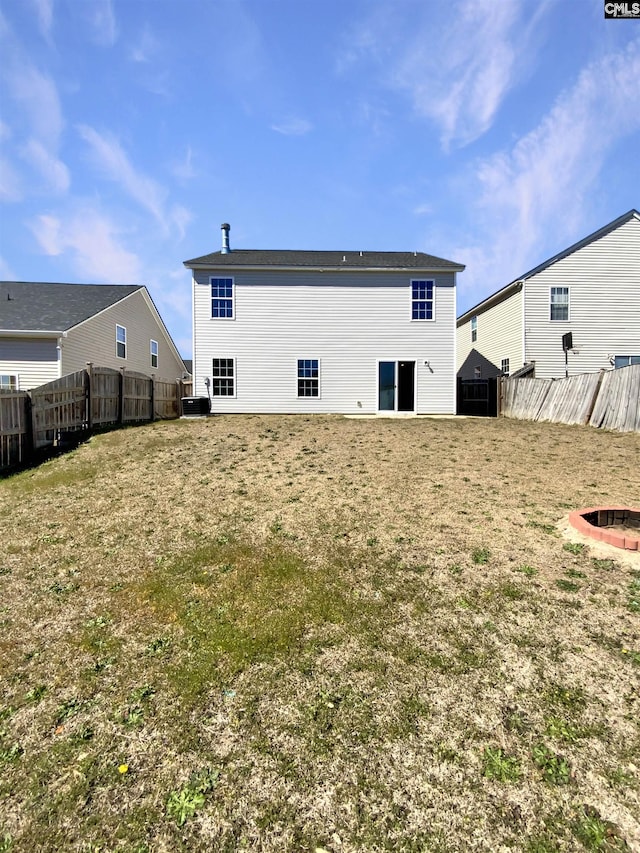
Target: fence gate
[(477, 397)]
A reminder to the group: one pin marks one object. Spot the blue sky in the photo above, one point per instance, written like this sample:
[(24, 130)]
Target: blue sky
[(491, 132)]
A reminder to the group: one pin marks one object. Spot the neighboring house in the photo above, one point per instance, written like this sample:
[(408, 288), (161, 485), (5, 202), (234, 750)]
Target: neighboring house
[(49, 330), (314, 331), (583, 303)]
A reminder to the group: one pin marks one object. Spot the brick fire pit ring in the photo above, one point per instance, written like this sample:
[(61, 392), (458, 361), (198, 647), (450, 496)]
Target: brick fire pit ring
[(617, 525)]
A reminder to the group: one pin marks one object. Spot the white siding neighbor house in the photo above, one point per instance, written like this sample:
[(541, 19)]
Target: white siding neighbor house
[(313, 331), (50, 330), (578, 312)]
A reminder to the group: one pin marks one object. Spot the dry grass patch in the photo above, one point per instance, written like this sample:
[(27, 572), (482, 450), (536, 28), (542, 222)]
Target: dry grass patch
[(289, 633)]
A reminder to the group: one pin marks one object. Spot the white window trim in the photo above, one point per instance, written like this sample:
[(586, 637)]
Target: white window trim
[(303, 358), (124, 342), (233, 298), (504, 372), (156, 353), (474, 329), (432, 282), (235, 374), (16, 382), (568, 289)]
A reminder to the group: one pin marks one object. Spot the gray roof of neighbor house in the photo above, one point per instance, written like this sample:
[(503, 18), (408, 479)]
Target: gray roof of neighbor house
[(506, 291), (323, 260), (40, 306)]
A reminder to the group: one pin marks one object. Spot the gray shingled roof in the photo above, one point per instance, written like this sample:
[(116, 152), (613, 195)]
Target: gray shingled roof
[(323, 260), (40, 306)]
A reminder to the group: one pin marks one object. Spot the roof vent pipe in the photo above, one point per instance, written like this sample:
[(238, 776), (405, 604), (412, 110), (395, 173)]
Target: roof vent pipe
[(225, 238)]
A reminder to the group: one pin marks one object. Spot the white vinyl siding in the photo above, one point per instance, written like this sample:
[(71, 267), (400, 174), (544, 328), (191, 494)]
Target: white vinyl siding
[(347, 320), (499, 334), (603, 278), (33, 361), (93, 340)]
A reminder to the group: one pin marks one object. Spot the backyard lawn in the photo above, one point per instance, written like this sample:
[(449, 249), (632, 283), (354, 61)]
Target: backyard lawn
[(275, 633)]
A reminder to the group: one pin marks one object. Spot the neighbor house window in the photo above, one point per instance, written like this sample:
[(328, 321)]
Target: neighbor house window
[(477, 372), (504, 366), (8, 382), (625, 360), (121, 342), (222, 298), (474, 329), (154, 353), (223, 377), (308, 377), (422, 300), (559, 303)]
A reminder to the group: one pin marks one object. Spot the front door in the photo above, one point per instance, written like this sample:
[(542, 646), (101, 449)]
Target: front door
[(396, 386)]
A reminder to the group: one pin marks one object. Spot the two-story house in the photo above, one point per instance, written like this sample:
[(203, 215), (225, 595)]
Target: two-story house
[(578, 312), (50, 330), (313, 331)]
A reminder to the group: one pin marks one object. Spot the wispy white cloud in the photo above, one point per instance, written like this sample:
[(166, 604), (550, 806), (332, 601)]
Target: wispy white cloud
[(37, 95), (52, 170), (11, 189), (102, 20), (456, 61), (146, 47), (44, 16), (93, 243), (6, 271), (181, 217), (184, 169), (537, 193), (113, 161), (293, 127), (461, 80)]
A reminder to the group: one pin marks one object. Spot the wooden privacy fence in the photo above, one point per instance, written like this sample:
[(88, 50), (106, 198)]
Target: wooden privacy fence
[(609, 399), (80, 402)]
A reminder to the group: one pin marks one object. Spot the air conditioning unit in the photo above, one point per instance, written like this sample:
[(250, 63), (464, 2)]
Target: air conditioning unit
[(195, 407)]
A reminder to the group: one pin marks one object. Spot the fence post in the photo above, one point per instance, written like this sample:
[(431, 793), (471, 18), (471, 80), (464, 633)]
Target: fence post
[(29, 448), (121, 396), (179, 396), (88, 384), (153, 398)]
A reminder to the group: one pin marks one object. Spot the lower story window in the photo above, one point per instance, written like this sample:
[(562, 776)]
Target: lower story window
[(625, 360), (8, 382), (308, 377), (223, 377), (504, 366)]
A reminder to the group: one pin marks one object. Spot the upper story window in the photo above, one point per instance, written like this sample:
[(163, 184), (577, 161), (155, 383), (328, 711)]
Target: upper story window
[(222, 298), (625, 360), (223, 377), (154, 353), (504, 366), (308, 377), (121, 341), (474, 329), (559, 303), (422, 300)]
